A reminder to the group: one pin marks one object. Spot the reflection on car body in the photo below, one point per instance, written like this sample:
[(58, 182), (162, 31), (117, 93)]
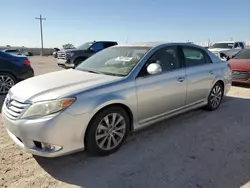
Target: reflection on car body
[(96, 105)]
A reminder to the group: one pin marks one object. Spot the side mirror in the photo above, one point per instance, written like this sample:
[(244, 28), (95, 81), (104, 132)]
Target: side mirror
[(91, 49), (154, 68)]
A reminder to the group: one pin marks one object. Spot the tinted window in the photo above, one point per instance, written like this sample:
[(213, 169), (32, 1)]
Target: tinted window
[(167, 58), (241, 45), (108, 44), (11, 50), (236, 45), (97, 46), (243, 54), (193, 57)]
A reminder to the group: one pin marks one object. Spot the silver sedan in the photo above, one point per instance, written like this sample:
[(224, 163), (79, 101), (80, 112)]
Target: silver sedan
[(116, 91)]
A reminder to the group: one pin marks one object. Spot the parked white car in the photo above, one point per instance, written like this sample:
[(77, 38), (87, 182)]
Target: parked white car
[(118, 90), (227, 48)]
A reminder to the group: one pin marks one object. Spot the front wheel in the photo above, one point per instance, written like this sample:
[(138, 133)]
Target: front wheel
[(107, 131), (215, 97)]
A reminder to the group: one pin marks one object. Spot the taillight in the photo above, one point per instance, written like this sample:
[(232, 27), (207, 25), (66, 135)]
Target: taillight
[(27, 62), (229, 65)]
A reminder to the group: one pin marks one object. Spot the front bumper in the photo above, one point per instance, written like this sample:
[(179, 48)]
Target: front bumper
[(65, 63), (239, 76), (62, 130)]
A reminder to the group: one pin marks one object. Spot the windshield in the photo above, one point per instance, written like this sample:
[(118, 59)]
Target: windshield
[(117, 61), (243, 54), (85, 46), (222, 45)]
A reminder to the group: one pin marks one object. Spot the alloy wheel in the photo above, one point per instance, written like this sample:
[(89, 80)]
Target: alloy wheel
[(216, 96), (110, 131), (6, 82)]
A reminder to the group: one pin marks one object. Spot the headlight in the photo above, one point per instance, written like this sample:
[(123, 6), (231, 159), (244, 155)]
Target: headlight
[(47, 107)]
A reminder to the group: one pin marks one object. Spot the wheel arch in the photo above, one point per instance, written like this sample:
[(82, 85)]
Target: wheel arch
[(117, 104), (10, 73)]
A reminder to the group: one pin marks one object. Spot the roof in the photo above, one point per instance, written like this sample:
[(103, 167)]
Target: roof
[(155, 44), (228, 41)]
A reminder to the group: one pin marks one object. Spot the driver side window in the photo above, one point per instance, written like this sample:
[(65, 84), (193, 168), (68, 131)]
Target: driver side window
[(167, 57), (236, 45)]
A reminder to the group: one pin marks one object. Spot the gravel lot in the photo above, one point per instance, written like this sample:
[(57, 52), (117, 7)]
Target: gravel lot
[(198, 149)]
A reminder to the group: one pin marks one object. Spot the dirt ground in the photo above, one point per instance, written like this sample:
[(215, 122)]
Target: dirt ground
[(198, 149)]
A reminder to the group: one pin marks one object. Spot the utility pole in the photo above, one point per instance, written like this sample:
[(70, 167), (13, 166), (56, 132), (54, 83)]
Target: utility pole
[(41, 28)]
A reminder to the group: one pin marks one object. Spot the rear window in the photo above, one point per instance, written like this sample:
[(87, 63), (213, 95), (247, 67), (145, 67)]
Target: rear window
[(11, 51)]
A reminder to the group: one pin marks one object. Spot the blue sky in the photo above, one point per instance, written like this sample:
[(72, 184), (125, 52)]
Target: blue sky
[(78, 21)]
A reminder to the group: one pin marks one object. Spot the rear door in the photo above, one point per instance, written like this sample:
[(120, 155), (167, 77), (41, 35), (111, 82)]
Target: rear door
[(200, 73)]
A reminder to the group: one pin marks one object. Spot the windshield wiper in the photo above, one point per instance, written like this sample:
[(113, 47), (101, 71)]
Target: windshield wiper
[(112, 74), (91, 71)]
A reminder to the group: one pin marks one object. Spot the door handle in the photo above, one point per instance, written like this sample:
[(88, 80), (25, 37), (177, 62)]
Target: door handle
[(211, 72), (181, 79)]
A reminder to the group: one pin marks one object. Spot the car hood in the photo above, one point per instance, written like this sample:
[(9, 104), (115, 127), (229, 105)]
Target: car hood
[(240, 64), (58, 84)]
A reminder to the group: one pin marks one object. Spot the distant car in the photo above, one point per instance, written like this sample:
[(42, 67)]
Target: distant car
[(13, 69), (15, 52), (70, 58), (118, 90), (227, 48), (55, 52), (240, 66)]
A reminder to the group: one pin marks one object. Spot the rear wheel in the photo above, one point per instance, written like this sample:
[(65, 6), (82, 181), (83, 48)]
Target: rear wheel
[(107, 131), (6, 82), (215, 97)]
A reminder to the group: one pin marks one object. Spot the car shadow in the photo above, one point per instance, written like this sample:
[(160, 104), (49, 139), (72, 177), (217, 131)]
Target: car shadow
[(241, 85), (195, 149)]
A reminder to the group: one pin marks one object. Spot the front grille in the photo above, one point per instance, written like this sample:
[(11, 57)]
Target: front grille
[(13, 108), (61, 55), (240, 75)]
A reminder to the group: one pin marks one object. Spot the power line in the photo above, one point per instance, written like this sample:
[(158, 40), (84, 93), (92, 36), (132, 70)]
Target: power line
[(41, 29)]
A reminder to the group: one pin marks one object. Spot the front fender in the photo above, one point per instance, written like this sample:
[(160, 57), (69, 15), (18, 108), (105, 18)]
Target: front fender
[(93, 101)]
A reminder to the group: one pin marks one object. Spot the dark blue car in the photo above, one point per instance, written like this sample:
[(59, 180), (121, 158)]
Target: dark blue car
[(13, 69)]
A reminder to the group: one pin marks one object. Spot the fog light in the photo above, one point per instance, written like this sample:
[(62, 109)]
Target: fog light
[(50, 147)]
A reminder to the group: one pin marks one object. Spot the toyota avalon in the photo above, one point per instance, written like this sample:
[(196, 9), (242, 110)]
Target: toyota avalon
[(118, 90)]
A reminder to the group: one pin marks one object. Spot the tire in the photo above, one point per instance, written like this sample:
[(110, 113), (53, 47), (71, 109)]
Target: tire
[(78, 61), (99, 137), (215, 97), (6, 82)]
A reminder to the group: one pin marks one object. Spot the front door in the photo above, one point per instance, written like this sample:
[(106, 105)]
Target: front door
[(200, 73), (158, 95)]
